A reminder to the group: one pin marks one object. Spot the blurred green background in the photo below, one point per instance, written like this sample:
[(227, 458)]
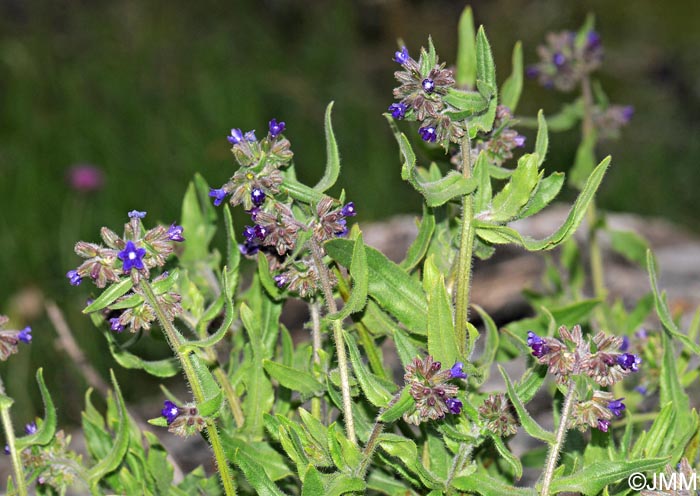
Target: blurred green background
[(147, 92)]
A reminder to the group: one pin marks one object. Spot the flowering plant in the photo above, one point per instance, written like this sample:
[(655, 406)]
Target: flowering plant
[(331, 413)]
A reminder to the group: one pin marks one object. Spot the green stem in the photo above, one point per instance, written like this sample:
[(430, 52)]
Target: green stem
[(230, 395), (464, 264), (175, 340), (10, 439), (374, 437), (459, 460), (554, 449), (315, 311), (324, 275)]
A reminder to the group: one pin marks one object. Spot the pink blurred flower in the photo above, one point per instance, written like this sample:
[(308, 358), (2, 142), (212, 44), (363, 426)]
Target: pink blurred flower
[(85, 178)]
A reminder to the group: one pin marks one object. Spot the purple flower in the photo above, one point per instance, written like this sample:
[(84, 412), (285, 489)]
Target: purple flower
[(170, 411), (532, 71), (456, 371), (7, 449), (132, 256), (641, 389), (85, 178), (218, 194), (558, 59), (236, 136), (428, 85), (519, 140), (248, 248), (135, 214), (25, 335), (348, 210), (625, 343), (253, 213), (603, 425), (402, 56), (30, 428), (74, 278), (249, 233), (592, 40), (257, 196), (250, 136), (276, 128), (398, 110), (428, 134), (280, 280), (538, 345), (115, 325), (260, 232), (454, 405), (175, 233), (641, 333), (627, 113), (617, 407), (344, 231), (628, 361)]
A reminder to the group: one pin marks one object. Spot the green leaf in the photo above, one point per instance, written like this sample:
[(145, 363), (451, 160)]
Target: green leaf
[(346, 456), (338, 484), (465, 74), (542, 140), (402, 405), (662, 310), (546, 191), (313, 484), (266, 278), (119, 445), (465, 103), (389, 285), (670, 387), (651, 443), (503, 235), (584, 161), (530, 382), (437, 192), (485, 67), (516, 193), (360, 277), (513, 86), (491, 346), (330, 176), (405, 348), (373, 388), (225, 325), (528, 423), (255, 474), (420, 245), (406, 451), (294, 379), (442, 344), (275, 466), (573, 313), (213, 397), (506, 454), (593, 478), (630, 245), (485, 485), (109, 295), (198, 219), (233, 254), (300, 191), (167, 367), (47, 429), (484, 194)]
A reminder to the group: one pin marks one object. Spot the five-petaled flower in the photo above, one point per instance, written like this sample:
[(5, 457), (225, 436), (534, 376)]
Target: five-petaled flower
[(629, 361), (132, 256), (402, 56), (170, 411)]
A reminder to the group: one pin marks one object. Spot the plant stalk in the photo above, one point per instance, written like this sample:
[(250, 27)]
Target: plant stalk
[(374, 437), (464, 263), (315, 310), (324, 275), (461, 457), (554, 450), (10, 438), (175, 340)]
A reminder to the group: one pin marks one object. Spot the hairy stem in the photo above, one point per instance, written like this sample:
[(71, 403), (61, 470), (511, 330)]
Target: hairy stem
[(324, 274), (374, 437), (554, 449), (464, 264), (175, 340), (458, 462), (315, 310), (10, 439)]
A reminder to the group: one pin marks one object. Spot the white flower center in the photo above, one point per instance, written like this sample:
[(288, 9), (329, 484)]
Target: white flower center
[(132, 255)]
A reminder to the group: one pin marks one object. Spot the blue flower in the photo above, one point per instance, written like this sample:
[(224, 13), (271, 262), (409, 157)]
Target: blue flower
[(74, 278), (218, 194), (135, 214), (402, 56), (249, 233), (132, 256), (236, 136), (7, 449), (115, 325), (398, 110), (30, 428), (170, 411), (532, 71), (454, 405), (248, 248), (250, 136), (558, 59), (25, 335), (428, 85), (260, 232), (257, 196), (276, 128), (280, 280), (628, 361), (175, 233), (428, 134), (538, 345), (348, 210), (603, 425), (617, 407), (456, 371)]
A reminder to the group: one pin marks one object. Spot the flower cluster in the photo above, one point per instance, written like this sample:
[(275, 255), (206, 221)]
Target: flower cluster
[(277, 221), (183, 420), (596, 412), (423, 86), (55, 464), (429, 386), (497, 412), (10, 339), (608, 121), (566, 59)]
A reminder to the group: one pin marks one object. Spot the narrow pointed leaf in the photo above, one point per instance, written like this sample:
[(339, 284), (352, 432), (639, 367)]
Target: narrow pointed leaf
[(375, 391), (167, 367), (465, 103), (420, 245), (516, 193), (266, 278), (233, 254), (485, 485), (547, 190), (593, 478), (46, 431), (508, 456), (109, 295), (405, 450), (484, 193), (491, 346), (442, 344), (213, 397), (402, 405), (294, 379), (255, 475), (528, 423), (485, 67), (513, 86), (300, 191), (542, 140), (466, 50), (360, 277), (330, 176)]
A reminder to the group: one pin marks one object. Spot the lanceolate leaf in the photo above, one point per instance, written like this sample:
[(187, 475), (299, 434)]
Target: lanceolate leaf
[(255, 474), (300, 192), (584, 161), (528, 423), (593, 478), (516, 193), (513, 86), (485, 68), (360, 277), (503, 235), (375, 391), (485, 485), (670, 388), (542, 140), (233, 254), (491, 346), (48, 427), (330, 176), (210, 388), (441, 334), (483, 195), (465, 103), (506, 454), (109, 295), (402, 405), (389, 285), (420, 245), (466, 52), (547, 190), (294, 379), (405, 450), (166, 367)]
